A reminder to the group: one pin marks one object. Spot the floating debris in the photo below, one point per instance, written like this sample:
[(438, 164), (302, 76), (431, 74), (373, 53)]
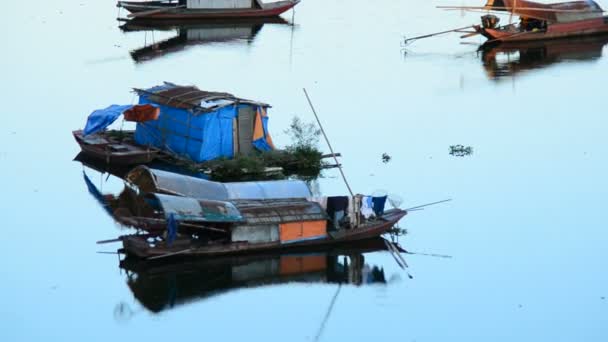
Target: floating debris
[(386, 158), (460, 151)]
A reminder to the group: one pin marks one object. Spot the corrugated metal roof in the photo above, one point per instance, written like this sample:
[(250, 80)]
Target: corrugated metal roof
[(152, 180), (279, 210), (190, 97)]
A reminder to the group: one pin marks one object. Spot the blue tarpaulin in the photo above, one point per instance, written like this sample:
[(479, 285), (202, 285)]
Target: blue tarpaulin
[(199, 136), (262, 143), (102, 118)]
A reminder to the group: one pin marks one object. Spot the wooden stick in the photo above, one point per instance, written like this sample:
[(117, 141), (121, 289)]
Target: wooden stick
[(437, 33), (508, 9), (469, 35), (170, 254), (396, 251), (328, 143), (426, 205), (109, 241), (387, 243)]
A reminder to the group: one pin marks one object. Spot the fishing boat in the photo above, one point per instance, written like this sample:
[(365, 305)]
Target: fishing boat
[(205, 9), (543, 21), (538, 21), (114, 148), (179, 215)]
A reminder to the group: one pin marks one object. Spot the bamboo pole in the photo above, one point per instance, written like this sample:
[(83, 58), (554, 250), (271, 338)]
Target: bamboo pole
[(437, 33), (508, 9), (428, 204), (328, 143)]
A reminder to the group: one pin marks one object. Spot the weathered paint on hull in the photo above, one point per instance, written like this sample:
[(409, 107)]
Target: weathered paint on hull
[(135, 156), (181, 13), (554, 31), (139, 247)]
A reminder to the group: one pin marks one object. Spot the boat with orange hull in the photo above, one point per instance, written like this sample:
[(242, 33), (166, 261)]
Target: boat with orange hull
[(141, 247), (205, 9), (543, 21)]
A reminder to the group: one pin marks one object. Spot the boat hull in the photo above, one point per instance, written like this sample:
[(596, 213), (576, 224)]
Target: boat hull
[(139, 247), (597, 26), (106, 151), (160, 12)]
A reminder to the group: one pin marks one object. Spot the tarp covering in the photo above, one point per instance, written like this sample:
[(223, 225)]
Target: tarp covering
[(102, 118), (261, 137), (199, 136), (153, 180), (142, 113), (190, 209)]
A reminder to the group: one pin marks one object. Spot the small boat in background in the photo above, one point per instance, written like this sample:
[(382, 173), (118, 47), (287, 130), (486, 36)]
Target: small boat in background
[(540, 21), (205, 9)]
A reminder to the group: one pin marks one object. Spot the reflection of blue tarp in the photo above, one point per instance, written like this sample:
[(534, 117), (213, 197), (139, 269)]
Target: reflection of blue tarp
[(102, 118), (97, 194)]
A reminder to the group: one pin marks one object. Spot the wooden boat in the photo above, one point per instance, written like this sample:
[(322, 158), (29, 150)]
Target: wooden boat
[(114, 148), (543, 21), (205, 9), (140, 246), (187, 216)]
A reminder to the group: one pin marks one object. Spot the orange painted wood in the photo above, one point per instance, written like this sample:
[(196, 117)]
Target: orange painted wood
[(302, 230), (302, 264)]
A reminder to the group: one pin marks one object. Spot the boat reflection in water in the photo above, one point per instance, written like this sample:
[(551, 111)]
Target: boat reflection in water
[(510, 59), (195, 32), (161, 286)]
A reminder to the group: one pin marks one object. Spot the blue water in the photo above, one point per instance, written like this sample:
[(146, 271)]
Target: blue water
[(525, 231)]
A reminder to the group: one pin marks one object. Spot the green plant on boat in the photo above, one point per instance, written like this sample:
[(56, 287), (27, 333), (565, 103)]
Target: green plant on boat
[(300, 159)]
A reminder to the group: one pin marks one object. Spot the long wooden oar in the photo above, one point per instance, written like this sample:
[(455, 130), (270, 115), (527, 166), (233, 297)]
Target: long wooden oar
[(408, 40)]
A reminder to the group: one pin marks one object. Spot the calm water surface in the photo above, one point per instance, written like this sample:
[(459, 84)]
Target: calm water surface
[(526, 230)]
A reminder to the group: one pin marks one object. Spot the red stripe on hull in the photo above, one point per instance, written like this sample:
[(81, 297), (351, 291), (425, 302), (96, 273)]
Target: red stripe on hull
[(554, 31), (219, 15)]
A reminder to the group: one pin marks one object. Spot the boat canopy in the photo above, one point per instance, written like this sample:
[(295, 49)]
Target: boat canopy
[(157, 181), (203, 125), (196, 210), (554, 12)]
